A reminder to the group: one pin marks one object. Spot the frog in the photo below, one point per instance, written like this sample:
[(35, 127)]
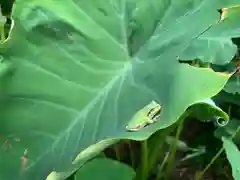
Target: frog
[(147, 115)]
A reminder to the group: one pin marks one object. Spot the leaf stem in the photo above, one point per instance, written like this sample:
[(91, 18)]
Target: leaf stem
[(157, 144), (174, 146), (131, 151), (160, 170), (144, 160), (2, 34), (118, 156)]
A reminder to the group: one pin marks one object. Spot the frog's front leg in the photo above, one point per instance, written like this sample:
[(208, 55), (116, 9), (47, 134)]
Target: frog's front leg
[(150, 121), (154, 119)]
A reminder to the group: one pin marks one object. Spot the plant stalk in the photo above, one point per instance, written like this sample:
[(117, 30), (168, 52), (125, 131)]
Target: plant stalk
[(2, 34), (144, 160), (174, 146), (160, 171), (131, 151), (158, 145), (118, 156)]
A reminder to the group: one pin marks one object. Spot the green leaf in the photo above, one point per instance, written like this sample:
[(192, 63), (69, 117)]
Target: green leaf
[(102, 169), (81, 71), (233, 156), (229, 130), (233, 85), (215, 46), (195, 153), (105, 169), (207, 109), (224, 97), (181, 145)]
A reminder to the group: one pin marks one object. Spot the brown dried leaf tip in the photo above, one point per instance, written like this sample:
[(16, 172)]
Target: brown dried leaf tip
[(224, 11), (24, 160)]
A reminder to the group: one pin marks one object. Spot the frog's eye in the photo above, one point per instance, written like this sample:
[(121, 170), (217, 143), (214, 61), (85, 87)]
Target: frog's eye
[(150, 112), (153, 112)]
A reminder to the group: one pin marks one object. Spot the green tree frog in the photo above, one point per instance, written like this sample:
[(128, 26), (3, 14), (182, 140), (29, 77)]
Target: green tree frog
[(145, 116)]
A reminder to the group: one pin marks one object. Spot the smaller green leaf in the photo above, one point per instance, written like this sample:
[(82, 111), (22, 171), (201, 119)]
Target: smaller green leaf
[(229, 130), (197, 152), (181, 145), (233, 85), (233, 156), (224, 97), (6, 26), (105, 169)]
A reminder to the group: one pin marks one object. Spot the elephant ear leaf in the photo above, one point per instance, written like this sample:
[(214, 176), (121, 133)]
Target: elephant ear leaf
[(82, 69)]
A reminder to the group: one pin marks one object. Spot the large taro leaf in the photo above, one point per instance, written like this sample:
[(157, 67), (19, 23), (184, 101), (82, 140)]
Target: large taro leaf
[(77, 80)]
